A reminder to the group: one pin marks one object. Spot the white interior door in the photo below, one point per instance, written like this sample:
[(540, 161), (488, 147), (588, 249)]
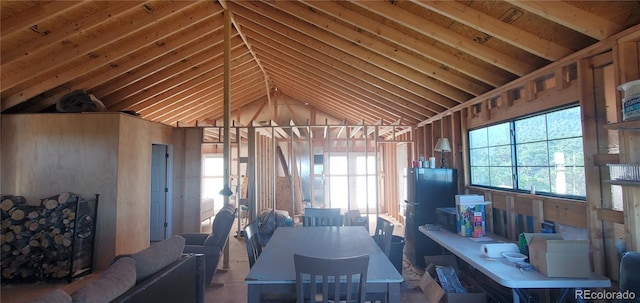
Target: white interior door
[(159, 191)]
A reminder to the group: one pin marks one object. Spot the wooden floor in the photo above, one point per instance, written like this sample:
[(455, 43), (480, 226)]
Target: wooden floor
[(233, 289)]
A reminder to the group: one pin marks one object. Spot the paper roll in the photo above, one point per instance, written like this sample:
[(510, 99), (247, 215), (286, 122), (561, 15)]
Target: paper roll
[(495, 250)]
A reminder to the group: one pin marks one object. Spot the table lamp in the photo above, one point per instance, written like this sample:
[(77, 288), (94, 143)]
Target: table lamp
[(442, 146)]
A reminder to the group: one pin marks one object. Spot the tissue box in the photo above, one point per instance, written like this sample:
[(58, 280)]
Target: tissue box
[(560, 258), (471, 215)]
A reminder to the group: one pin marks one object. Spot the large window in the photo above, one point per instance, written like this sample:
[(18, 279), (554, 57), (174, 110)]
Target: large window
[(542, 153)]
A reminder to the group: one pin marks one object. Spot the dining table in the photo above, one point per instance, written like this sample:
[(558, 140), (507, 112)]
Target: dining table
[(274, 271)]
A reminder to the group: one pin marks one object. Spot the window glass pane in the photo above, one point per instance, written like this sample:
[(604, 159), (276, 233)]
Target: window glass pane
[(534, 176), (500, 156), (478, 138), (532, 129), (499, 134), (548, 154), (338, 165), (339, 189), (566, 152), (564, 123), (213, 166), (479, 157), (480, 176), (501, 177), (532, 154), (568, 180)]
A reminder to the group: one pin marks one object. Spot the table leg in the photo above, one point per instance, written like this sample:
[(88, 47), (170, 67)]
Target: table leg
[(394, 293), (253, 293), (516, 295), (563, 296)]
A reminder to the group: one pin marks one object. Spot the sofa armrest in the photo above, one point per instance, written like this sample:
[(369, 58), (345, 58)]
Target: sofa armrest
[(182, 281), (204, 250), (194, 238)]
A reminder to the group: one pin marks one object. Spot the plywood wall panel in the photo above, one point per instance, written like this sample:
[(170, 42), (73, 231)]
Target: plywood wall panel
[(90, 153)]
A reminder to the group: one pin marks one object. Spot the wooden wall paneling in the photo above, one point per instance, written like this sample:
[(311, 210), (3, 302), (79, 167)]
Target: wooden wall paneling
[(590, 130), (567, 212), (389, 179), (511, 219), (499, 200), (104, 153), (537, 207), (420, 142), (629, 61), (179, 137), (630, 146), (192, 179), (522, 205), (489, 212), (136, 137), (629, 70), (465, 180), (47, 154)]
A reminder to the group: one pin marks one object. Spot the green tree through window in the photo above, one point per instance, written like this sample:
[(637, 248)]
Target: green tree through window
[(542, 151)]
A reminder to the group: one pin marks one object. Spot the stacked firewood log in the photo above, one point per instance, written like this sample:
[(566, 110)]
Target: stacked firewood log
[(37, 238)]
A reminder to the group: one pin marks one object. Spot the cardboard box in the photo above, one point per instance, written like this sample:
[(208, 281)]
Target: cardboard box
[(560, 258), (434, 291)]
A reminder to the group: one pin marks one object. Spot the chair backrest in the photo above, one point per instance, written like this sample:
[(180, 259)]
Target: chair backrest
[(312, 272), (383, 235), (222, 223), (629, 274), (322, 217), (252, 240)]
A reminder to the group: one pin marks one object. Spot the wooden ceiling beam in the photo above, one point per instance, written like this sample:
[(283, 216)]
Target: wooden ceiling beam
[(303, 88), (181, 96), (383, 50), (351, 65), (515, 66), (572, 17), (125, 36), (173, 105), (344, 85), (401, 38), (331, 41), (497, 28), (349, 74), (337, 90), (156, 56), (71, 29), (241, 91), (115, 47), (250, 92), (185, 44), (193, 66), (34, 15)]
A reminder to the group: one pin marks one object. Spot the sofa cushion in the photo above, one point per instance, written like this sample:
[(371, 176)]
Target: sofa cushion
[(158, 256), (54, 296), (115, 280)]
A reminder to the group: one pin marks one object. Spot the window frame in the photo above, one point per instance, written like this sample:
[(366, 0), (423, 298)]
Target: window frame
[(515, 168)]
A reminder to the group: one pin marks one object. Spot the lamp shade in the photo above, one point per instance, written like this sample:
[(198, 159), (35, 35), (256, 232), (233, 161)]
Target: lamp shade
[(442, 145)]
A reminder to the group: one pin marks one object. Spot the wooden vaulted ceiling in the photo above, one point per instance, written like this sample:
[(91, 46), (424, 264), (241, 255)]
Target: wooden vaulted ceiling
[(361, 61)]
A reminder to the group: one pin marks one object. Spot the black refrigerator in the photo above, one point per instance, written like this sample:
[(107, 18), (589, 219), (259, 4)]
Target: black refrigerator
[(427, 189)]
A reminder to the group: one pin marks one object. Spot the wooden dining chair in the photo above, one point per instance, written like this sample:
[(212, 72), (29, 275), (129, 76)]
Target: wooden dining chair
[(316, 277), (383, 235), (252, 241), (322, 217)]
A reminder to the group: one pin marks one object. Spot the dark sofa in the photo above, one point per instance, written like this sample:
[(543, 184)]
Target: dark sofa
[(160, 273)]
